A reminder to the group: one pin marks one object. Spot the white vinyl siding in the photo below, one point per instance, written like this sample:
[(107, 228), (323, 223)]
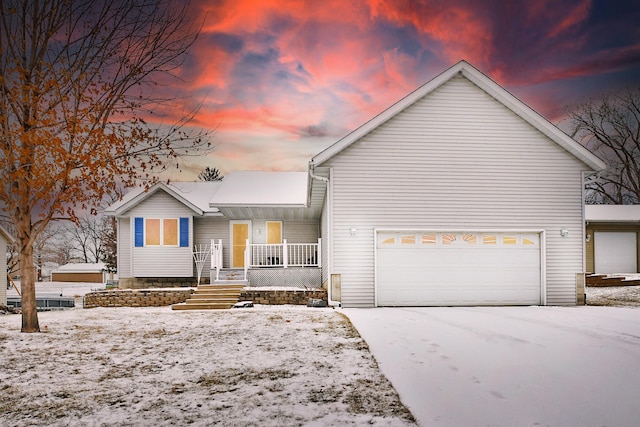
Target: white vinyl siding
[(125, 243), (162, 261), (455, 159)]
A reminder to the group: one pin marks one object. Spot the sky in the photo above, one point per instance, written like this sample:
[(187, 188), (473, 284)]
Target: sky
[(281, 80)]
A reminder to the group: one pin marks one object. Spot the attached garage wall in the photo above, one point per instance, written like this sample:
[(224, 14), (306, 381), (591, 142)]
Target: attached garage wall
[(457, 159)]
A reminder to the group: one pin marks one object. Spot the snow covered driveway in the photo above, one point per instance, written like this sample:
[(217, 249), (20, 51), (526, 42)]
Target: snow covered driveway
[(507, 366)]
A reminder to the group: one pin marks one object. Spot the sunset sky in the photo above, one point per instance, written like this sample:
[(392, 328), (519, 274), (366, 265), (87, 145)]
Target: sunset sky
[(282, 80)]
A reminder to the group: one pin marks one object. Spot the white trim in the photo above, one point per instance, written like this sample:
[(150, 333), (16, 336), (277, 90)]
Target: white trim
[(490, 87), (231, 238), (540, 232)]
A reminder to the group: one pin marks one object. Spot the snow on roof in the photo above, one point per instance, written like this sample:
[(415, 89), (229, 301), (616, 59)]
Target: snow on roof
[(612, 213), (74, 267), (252, 188)]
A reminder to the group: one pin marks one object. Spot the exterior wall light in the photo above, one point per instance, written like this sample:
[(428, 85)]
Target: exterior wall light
[(353, 231), (564, 232)]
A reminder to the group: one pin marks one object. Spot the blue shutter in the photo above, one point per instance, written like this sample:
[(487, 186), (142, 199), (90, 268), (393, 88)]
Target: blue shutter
[(138, 232), (184, 232)]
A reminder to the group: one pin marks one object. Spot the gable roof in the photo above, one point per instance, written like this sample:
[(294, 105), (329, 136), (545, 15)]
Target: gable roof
[(487, 85), (260, 188), (194, 195)]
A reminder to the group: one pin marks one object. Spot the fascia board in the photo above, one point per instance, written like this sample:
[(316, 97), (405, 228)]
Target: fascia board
[(387, 114), (532, 117), (122, 210)]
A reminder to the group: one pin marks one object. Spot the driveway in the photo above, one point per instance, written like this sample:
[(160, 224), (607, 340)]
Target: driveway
[(510, 366)]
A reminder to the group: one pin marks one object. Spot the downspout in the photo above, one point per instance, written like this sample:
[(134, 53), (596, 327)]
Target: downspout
[(331, 302)]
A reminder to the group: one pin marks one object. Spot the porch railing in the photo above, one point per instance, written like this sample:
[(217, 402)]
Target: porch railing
[(216, 257), (285, 254), (257, 255)]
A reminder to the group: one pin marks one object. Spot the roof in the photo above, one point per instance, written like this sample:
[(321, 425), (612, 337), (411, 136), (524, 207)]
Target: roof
[(612, 213), (81, 268), (259, 188), (6, 234), (490, 87), (194, 195)]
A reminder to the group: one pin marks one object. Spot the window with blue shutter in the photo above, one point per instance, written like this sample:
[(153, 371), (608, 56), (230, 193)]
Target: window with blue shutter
[(184, 232), (138, 232)]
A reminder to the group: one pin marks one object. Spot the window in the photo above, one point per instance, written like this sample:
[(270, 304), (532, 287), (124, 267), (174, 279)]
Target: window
[(170, 232), (489, 239), (449, 239), (428, 239), (151, 232), (509, 240), (469, 239), (408, 240), (161, 232)]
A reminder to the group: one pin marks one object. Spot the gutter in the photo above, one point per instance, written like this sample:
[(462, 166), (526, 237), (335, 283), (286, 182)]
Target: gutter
[(331, 302)]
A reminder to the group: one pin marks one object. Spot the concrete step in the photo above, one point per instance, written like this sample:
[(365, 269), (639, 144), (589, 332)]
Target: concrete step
[(225, 299), (212, 297), (202, 306)]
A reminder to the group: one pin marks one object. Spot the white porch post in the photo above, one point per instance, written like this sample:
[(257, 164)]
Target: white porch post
[(247, 258), (319, 255), (285, 254)]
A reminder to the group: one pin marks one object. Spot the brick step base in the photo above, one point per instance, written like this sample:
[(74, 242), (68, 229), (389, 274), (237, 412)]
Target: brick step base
[(602, 280)]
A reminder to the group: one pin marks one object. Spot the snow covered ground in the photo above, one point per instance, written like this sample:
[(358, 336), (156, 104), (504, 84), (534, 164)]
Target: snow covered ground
[(509, 366), (287, 366), (264, 366)]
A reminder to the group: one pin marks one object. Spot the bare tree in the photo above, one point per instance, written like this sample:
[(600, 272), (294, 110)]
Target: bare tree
[(610, 127), (78, 83), (85, 236), (210, 174)]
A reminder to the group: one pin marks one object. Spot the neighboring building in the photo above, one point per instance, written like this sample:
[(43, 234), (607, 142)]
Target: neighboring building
[(5, 238), (459, 194), (81, 272), (612, 238)]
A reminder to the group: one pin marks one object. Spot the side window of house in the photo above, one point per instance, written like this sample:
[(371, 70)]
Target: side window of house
[(161, 232)]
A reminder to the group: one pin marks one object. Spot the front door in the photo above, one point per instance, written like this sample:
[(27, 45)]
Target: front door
[(274, 232), (239, 236)]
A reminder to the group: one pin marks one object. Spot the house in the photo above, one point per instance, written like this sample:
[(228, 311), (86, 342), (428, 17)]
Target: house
[(5, 238), (612, 238), (459, 194), (81, 272), (267, 212)]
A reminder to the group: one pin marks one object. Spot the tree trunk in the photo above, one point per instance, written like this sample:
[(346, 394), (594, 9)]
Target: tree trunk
[(28, 283)]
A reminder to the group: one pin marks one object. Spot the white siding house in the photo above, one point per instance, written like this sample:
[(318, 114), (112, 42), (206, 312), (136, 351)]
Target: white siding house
[(5, 238), (457, 195)]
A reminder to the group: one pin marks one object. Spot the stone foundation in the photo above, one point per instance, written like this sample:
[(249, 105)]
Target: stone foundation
[(275, 297), (161, 282), (136, 298)]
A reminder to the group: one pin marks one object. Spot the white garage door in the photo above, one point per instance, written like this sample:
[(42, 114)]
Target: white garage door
[(615, 252), (425, 268)]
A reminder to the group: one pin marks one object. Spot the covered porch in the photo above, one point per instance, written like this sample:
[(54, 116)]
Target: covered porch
[(268, 264)]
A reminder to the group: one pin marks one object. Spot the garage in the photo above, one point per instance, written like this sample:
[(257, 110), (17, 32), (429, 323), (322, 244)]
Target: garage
[(615, 252), (457, 268)]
